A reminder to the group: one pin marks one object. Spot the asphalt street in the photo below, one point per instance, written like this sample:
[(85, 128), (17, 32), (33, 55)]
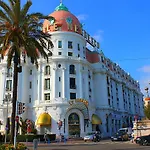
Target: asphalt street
[(102, 145)]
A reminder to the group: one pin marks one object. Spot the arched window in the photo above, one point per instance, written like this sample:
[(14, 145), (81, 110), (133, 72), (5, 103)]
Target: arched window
[(47, 70), (9, 72), (73, 119), (72, 69)]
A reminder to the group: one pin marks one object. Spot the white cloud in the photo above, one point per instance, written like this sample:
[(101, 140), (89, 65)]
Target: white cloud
[(99, 35), (82, 17), (145, 69)]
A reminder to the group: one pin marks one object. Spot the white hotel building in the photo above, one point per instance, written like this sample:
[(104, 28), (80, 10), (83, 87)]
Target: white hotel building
[(81, 87)]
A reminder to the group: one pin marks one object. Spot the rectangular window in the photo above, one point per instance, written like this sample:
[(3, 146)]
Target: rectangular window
[(72, 95), (59, 53), (8, 85), (108, 91), (47, 70), (59, 79), (59, 94), (70, 45), (72, 83), (109, 102), (70, 54), (29, 98), (30, 72), (9, 72), (59, 44), (47, 84), (78, 47), (30, 86), (47, 96)]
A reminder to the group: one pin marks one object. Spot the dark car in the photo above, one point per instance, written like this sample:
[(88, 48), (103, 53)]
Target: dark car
[(120, 136), (143, 140)]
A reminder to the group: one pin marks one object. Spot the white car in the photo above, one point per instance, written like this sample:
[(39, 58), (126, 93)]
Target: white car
[(89, 137)]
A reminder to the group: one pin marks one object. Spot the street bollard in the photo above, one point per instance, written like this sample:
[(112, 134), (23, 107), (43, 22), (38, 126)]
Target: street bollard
[(35, 144)]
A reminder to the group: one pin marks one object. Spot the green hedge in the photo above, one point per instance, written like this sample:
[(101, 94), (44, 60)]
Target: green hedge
[(29, 138)]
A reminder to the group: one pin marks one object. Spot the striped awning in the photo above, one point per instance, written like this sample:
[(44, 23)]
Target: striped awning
[(96, 120), (44, 120)]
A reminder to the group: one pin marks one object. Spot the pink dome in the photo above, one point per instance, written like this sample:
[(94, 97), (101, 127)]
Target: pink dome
[(63, 21)]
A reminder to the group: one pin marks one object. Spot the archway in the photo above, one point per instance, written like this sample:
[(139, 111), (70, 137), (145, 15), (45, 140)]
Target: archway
[(74, 125)]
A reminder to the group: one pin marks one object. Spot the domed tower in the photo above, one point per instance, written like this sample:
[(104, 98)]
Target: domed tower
[(65, 65), (67, 78), (69, 49)]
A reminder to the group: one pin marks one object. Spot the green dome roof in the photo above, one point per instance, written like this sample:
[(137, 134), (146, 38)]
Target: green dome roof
[(61, 7)]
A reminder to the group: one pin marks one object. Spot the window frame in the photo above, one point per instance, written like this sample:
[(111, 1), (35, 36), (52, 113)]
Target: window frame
[(59, 44), (70, 44), (47, 84)]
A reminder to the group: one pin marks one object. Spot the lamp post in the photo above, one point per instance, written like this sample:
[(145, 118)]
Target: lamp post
[(7, 99)]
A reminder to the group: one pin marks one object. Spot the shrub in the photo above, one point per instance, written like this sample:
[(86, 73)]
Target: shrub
[(19, 146)]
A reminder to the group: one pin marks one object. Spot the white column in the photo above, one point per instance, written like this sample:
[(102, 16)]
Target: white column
[(38, 86), (92, 87), (86, 81), (80, 83), (42, 83), (54, 84), (63, 83)]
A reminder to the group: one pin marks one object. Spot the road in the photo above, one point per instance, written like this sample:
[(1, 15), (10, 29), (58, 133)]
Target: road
[(103, 145)]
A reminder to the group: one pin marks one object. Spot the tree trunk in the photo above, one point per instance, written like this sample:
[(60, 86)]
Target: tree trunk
[(14, 99)]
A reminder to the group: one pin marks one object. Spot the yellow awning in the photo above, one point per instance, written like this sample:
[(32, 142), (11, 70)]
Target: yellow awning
[(96, 119), (44, 120)]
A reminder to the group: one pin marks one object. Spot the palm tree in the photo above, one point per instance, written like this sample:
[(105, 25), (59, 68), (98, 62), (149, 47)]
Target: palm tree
[(20, 32)]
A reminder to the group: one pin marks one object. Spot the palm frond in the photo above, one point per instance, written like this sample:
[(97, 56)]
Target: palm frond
[(25, 9), (16, 9), (4, 17), (7, 10)]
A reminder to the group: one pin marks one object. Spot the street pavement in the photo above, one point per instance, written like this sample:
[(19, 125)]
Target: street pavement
[(103, 144)]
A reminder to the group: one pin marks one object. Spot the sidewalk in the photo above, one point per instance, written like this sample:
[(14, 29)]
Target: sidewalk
[(41, 144), (69, 143)]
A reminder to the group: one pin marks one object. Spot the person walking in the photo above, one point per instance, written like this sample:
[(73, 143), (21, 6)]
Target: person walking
[(45, 137)]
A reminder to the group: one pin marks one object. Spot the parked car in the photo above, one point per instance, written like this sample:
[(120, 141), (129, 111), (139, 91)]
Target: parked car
[(120, 136), (89, 137), (143, 140), (127, 130), (93, 136)]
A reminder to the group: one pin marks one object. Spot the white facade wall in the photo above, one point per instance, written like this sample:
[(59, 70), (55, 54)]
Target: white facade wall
[(91, 85)]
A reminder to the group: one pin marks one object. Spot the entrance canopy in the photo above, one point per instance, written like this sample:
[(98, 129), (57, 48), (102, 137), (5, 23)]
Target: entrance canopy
[(44, 120), (81, 105), (96, 120)]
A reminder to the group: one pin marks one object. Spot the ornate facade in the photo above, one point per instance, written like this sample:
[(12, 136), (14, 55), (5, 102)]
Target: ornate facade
[(78, 91)]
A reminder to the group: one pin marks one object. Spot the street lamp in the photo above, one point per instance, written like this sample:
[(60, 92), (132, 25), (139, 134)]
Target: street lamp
[(7, 99)]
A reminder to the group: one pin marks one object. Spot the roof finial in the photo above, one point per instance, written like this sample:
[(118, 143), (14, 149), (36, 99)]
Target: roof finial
[(61, 1)]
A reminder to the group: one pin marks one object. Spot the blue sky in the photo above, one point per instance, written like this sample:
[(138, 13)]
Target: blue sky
[(121, 26)]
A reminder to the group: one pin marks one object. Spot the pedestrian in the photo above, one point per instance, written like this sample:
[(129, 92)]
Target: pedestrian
[(45, 137)]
